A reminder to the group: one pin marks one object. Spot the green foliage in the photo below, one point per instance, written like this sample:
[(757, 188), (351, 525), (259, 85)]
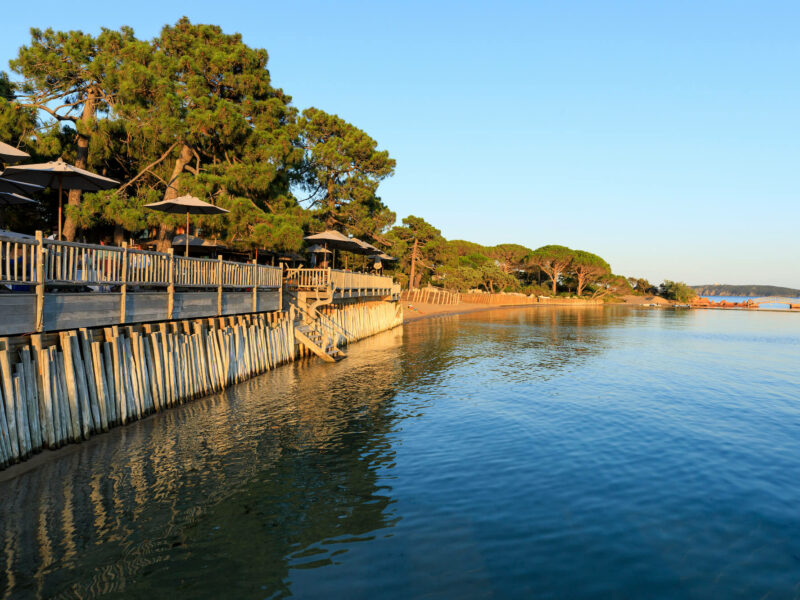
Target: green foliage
[(17, 123), (342, 170), (640, 286), (587, 268), (192, 111), (553, 260), (511, 257), (282, 232), (430, 244), (678, 291)]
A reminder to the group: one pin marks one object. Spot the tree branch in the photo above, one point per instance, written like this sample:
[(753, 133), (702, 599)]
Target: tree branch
[(151, 165)]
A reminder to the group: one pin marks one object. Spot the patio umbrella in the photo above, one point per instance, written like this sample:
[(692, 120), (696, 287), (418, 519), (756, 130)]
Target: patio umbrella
[(334, 239), (11, 155), (365, 248), (59, 173), (12, 199), (189, 205), (384, 257), (15, 187), (316, 249)]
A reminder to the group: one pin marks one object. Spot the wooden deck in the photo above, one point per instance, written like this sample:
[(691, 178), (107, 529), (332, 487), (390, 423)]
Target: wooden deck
[(51, 285)]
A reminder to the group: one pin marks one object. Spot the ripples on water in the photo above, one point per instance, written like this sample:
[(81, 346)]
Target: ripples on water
[(518, 453)]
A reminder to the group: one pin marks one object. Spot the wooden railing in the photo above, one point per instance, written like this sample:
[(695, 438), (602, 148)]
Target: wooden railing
[(345, 280), (197, 272), (148, 268), (308, 278), (71, 263), (340, 280), (17, 260), (31, 264)]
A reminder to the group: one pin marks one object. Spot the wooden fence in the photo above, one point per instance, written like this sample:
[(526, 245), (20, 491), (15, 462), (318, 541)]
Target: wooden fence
[(436, 296), (499, 299), (431, 296)]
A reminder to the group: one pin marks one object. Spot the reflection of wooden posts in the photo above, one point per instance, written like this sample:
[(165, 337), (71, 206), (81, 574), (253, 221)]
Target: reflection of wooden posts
[(39, 281), (219, 285), (123, 297), (255, 285), (171, 284)]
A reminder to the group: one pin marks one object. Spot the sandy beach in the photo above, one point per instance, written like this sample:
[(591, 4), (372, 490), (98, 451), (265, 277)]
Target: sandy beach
[(415, 311)]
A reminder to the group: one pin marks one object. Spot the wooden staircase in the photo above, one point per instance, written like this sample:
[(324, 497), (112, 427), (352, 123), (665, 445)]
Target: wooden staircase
[(319, 343), (306, 290)]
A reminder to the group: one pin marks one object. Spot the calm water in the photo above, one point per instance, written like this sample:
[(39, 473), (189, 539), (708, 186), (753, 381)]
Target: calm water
[(541, 452)]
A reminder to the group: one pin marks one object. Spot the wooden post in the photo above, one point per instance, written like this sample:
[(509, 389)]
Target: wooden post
[(280, 289), (123, 297), (255, 285), (171, 286), (39, 281), (219, 285)]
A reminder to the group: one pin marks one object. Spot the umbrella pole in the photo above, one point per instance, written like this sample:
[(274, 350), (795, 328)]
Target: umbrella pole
[(187, 233)]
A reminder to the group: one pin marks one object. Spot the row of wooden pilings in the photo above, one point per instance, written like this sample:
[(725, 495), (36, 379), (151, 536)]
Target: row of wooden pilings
[(65, 388), (431, 295), (365, 319)]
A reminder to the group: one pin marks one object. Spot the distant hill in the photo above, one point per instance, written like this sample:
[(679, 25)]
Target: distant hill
[(724, 289)]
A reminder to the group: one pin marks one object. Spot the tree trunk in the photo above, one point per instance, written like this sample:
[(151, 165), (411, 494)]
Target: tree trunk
[(119, 235), (81, 159), (581, 283), (555, 278), (165, 231), (413, 265), (330, 222)]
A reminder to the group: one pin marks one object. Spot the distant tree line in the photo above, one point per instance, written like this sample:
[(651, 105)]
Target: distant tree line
[(460, 265), (752, 290)]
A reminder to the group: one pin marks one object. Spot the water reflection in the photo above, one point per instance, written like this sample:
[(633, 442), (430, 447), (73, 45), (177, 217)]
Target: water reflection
[(223, 494), (567, 452), (547, 340)]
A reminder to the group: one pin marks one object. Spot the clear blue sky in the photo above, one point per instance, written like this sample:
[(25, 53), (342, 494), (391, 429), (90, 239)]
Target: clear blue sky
[(664, 136)]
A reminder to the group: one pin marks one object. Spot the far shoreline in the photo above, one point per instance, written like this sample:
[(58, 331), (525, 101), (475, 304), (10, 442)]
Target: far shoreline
[(431, 311), (422, 311)]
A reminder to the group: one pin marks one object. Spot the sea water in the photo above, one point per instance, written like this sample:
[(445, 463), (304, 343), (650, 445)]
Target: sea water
[(537, 452)]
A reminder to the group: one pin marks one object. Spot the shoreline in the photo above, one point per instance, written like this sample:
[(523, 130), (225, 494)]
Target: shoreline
[(432, 311), (447, 310)]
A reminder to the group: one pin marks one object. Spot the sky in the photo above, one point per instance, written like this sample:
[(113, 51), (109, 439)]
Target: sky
[(663, 136)]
